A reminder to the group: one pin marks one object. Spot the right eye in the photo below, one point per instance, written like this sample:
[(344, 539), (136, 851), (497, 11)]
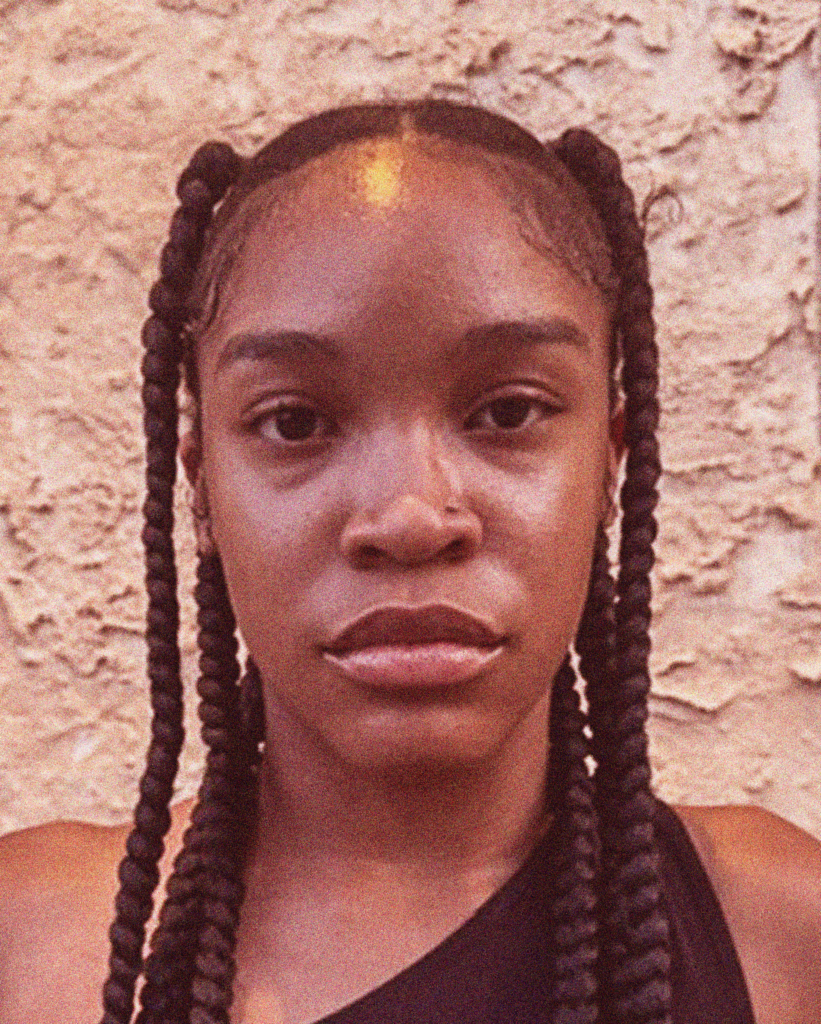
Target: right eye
[(291, 421)]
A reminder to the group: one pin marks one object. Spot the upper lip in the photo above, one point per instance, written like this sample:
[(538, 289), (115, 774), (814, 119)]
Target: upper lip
[(428, 624)]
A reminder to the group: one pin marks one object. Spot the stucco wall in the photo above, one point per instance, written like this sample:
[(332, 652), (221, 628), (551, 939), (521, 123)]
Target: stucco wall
[(713, 107)]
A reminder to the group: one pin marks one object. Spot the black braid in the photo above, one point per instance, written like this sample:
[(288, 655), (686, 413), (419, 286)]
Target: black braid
[(229, 779), (573, 912), (189, 972), (596, 645), (218, 819), (138, 871), (635, 962), (211, 844)]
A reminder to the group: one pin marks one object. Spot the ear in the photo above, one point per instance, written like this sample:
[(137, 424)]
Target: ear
[(615, 457), (191, 457)]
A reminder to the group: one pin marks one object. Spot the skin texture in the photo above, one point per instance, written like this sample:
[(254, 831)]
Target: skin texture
[(408, 494), (376, 434)]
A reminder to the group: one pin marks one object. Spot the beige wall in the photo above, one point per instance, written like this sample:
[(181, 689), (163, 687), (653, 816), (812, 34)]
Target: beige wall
[(713, 107)]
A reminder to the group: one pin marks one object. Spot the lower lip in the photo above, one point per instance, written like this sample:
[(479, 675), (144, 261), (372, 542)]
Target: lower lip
[(414, 666)]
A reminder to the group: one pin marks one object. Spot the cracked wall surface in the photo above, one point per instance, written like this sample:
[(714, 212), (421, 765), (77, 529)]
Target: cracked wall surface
[(713, 109)]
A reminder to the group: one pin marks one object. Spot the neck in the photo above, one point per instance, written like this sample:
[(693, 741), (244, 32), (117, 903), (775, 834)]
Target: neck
[(315, 806)]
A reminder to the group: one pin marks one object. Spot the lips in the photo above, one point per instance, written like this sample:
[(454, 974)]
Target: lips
[(414, 648)]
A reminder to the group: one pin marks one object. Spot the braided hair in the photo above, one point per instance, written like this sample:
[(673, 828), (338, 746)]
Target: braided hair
[(610, 941)]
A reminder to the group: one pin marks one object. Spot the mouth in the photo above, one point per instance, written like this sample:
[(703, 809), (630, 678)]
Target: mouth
[(414, 648)]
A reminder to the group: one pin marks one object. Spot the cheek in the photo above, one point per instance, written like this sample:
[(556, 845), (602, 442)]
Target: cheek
[(272, 543), (556, 500), (547, 524)]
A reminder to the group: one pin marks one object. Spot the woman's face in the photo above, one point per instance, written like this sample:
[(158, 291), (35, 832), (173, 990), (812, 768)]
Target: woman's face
[(405, 453)]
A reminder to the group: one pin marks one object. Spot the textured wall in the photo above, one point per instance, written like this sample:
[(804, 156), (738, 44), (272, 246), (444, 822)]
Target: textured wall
[(713, 107)]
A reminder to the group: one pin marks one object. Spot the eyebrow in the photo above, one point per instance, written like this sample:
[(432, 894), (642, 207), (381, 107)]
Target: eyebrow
[(524, 334), (261, 346)]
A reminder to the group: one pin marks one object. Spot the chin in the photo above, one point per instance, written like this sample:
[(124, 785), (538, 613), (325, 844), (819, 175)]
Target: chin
[(423, 744)]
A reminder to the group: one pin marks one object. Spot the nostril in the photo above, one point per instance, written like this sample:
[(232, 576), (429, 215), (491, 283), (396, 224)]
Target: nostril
[(410, 530), (456, 550), (368, 556), (371, 556)]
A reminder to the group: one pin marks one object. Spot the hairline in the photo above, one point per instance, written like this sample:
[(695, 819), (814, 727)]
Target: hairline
[(500, 168)]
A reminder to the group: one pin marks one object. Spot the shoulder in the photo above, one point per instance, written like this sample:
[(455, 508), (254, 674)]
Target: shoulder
[(57, 889), (57, 884), (50, 853), (767, 876), (45, 870)]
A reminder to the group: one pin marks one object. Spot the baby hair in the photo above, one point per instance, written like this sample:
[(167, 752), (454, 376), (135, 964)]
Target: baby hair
[(610, 942)]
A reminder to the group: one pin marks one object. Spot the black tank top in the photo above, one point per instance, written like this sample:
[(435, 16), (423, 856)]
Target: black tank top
[(491, 970)]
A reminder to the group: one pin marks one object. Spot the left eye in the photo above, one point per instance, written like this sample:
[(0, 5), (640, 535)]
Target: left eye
[(292, 422), (508, 412)]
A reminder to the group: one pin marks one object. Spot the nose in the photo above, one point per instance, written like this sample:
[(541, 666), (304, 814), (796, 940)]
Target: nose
[(409, 509)]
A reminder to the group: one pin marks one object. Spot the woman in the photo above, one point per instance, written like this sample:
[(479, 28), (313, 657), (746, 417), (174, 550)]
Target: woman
[(401, 334)]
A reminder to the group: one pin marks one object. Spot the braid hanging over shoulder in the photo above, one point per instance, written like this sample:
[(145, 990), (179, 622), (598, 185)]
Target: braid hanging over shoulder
[(573, 911), (634, 960), (611, 960), (202, 184)]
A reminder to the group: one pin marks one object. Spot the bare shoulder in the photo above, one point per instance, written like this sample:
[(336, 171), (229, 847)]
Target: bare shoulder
[(51, 872), (57, 889), (57, 885), (767, 875), (50, 854)]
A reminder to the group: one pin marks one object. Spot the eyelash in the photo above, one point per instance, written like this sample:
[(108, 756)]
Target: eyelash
[(533, 407), (291, 405), (528, 403)]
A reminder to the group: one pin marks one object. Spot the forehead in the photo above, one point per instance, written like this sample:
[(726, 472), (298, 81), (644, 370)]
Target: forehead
[(400, 181), (390, 173), (408, 185), (421, 235), (385, 192)]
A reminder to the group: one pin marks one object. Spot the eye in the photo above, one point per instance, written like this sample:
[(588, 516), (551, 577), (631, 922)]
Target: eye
[(510, 413), (292, 421)]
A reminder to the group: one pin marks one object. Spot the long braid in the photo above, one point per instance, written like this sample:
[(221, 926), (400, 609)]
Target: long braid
[(177, 944), (138, 871), (189, 974), (573, 910), (596, 645), (218, 819), (634, 969)]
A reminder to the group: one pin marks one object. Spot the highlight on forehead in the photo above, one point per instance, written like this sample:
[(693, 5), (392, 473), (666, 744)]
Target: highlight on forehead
[(379, 172), (554, 214)]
